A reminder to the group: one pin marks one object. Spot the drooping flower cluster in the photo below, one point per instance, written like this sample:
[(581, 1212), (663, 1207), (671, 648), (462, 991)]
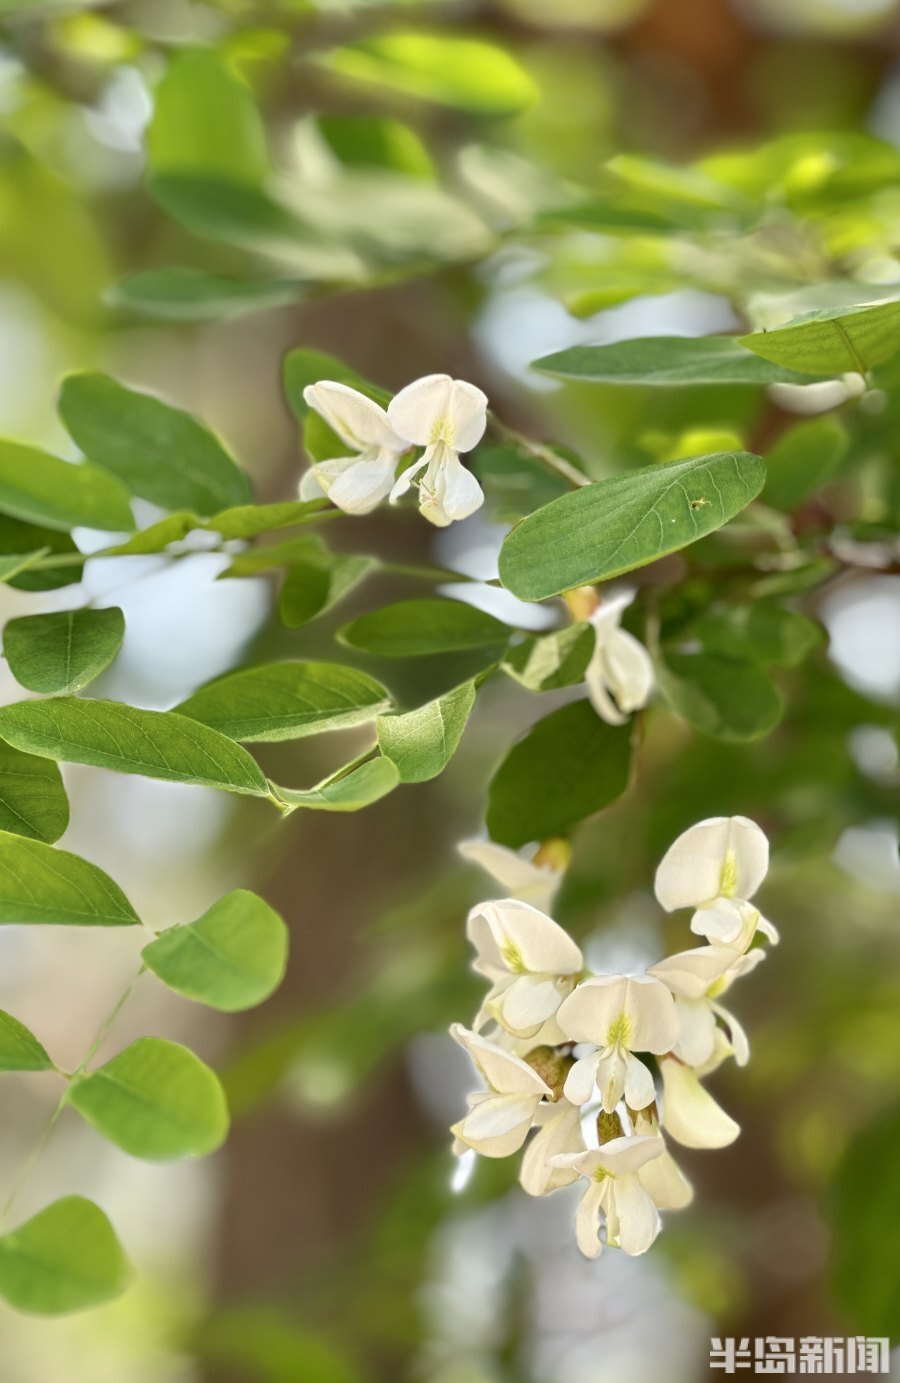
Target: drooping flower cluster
[(445, 416), (562, 1054)]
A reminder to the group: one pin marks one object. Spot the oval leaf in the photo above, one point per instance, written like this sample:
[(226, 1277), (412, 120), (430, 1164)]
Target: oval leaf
[(33, 800), (109, 734), (285, 701), (764, 632), (20, 1049), (205, 120), (802, 460), (414, 628), (191, 295), (310, 588), (667, 361), (41, 884), (66, 1258), (65, 650), (422, 742), (721, 697), (231, 958), (156, 1100), (568, 766), (615, 525), (42, 489), (31, 542), (348, 790), (832, 340), (159, 452), (549, 661)]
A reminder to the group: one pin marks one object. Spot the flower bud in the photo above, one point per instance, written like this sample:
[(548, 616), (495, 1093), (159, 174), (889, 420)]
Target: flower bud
[(582, 601), (555, 853), (552, 1067), (609, 1126)]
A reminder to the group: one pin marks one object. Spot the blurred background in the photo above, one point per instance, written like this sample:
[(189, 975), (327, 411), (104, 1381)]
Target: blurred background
[(327, 1242)]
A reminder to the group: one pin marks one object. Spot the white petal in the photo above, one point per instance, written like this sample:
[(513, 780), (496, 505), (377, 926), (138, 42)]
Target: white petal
[(587, 1221), (612, 605), (638, 1012), (690, 1114), (722, 924), (628, 670), (448, 492), (611, 1072), (697, 1035), (498, 1126), (528, 1002), (406, 478), (638, 1217), (504, 1072), (440, 408), (357, 420), (525, 881), (739, 1041), (580, 1081), (690, 973), (624, 1156), (724, 856), (666, 1182), (639, 1088), (526, 938), (361, 486), (467, 409), (310, 487), (560, 1134), (600, 699)]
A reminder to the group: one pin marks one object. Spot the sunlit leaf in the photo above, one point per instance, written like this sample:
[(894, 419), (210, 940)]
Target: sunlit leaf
[(30, 542), (43, 490), (285, 701), (20, 1049), (190, 295), (546, 662), (832, 340), (667, 360), (66, 1258), (40, 884), (422, 742), (110, 734), (65, 650), (33, 801), (613, 526), (348, 790), (231, 958), (161, 453), (206, 121), (802, 460), (568, 766), (156, 1099)]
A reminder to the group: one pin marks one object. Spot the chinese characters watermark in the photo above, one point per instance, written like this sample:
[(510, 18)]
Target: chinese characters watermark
[(810, 1354)]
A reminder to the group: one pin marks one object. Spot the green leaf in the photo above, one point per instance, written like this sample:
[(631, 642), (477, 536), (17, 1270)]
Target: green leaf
[(832, 340), (20, 1049), (568, 766), (42, 489), (721, 697), (66, 1258), (246, 217), (802, 460), (863, 1200), (303, 367), (33, 801), (65, 650), (10, 567), (253, 560), (190, 295), (157, 1100), (546, 662), (159, 452), (414, 628), (310, 588), (206, 121), (109, 734), (422, 742), (462, 72), (286, 701), (348, 790), (615, 525), (39, 884), (249, 520), (174, 528), (231, 958), (762, 632), (666, 360), (29, 541)]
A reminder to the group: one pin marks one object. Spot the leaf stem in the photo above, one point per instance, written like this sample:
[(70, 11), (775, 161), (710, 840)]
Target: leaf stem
[(546, 455)]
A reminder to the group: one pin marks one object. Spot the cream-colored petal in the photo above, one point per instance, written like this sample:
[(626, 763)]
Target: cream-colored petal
[(625, 1156), (587, 1221), (580, 1081), (724, 924), (740, 1043), (637, 1216), (666, 1182), (598, 692), (438, 407), (519, 876), (359, 488), (628, 670), (690, 1114), (498, 1126), (505, 1073), (612, 1069), (724, 856), (697, 1035), (690, 973), (449, 492), (639, 1089), (357, 420), (638, 1012), (560, 1133), (309, 486), (527, 939), (407, 478), (528, 1002)]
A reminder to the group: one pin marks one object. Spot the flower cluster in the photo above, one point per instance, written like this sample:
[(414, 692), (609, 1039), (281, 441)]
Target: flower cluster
[(562, 1052), (445, 416)]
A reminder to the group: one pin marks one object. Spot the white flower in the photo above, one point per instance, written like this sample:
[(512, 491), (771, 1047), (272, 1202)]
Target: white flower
[(715, 867), (532, 875), (614, 1187), (499, 1118), (696, 979), (531, 963), (359, 482), (446, 416), (689, 1112), (621, 1016), (619, 676), (662, 1176), (559, 1131)]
